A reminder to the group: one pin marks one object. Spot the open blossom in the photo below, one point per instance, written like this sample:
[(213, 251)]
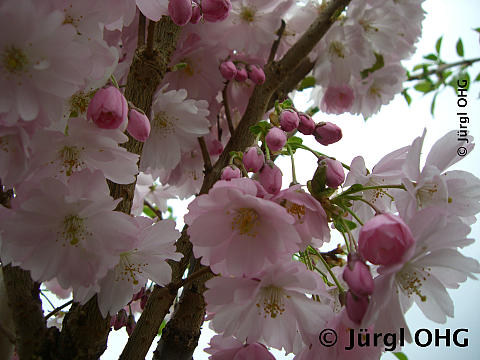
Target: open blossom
[(144, 261), (271, 307), (85, 146), (455, 190), (176, 123), (67, 231), (434, 265), (42, 64), (235, 232), (337, 99)]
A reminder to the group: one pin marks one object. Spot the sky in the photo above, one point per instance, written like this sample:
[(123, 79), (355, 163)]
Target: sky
[(395, 126)]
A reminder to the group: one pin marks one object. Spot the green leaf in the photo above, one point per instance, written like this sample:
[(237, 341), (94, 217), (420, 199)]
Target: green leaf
[(438, 44), (340, 227), (319, 180), (355, 188), (162, 325), (149, 212), (460, 47), (400, 355), (477, 78), (287, 104), (420, 66), (294, 142), (432, 57), (407, 97), (306, 83), (424, 86), (379, 63), (260, 128), (477, 30)]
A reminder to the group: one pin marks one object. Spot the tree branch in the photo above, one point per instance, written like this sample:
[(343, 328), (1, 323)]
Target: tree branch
[(442, 68)]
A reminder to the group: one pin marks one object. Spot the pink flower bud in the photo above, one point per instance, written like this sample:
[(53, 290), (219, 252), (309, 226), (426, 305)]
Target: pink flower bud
[(214, 147), (385, 240), (270, 177), (131, 323), (241, 74), (306, 125), (289, 120), (337, 99), (327, 133), (253, 159), (276, 138), (144, 299), (228, 70), (215, 10), (120, 319), (180, 11), (356, 307), (335, 174), (230, 172), (138, 125), (358, 277), (196, 13), (256, 74), (108, 108), (139, 294)]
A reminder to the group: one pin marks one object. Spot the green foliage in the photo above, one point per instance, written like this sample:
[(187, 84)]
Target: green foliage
[(400, 355), (460, 51), (438, 45), (261, 128), (379, 63), (294, 142), (306, 83), (149, 212)]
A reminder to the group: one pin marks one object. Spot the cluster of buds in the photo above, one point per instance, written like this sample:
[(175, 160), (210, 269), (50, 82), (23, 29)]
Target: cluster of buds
[(183, 12), (239, 71), (109, 109)]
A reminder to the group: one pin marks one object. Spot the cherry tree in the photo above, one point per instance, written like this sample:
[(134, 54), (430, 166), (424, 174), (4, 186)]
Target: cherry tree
[(110, 108)]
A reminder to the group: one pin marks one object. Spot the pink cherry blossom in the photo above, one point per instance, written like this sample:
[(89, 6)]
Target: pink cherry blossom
[(276, 138), (271, 307), (230, 172), (180, 11), (256, 74), (289, 120), (358, 277), (215, 10), (67, 231), (250, 232), (335, 174), (337, 99), (228, 70), (270, 176), (253, 159), (229, 348), (306, 125)]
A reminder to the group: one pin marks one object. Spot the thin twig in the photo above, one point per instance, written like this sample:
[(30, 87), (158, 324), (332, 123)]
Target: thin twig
[(56, 310), (151, 207), (276, 43), (150, 37), (142, 24), (442, 68), (227, 109), (205, 155)]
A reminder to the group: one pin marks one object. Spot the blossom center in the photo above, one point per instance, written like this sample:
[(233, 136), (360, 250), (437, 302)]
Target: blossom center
[(426, 194), (70, 158), (271, 301), (79, 103), (128, 270), (245, 221), (163, 124), (247, 14), (74, 230), (411, 282), (296, 210), (14, 60), (337, 49)]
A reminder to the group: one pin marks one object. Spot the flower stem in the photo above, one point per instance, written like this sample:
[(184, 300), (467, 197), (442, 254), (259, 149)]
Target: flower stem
[(294, 176), (340, 288)]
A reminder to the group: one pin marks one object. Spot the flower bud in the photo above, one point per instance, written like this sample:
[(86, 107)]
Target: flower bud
[(276, 138), (358, 277), (335, 174), (196, 13), (327, 133), (120, 319), (108, 108), (337, 99), (356, 307), (256, 74), (228, 70), (215, 10), (139, 294), (144, 299), (131, 323), (253, 159), (241, 74), (180, 11), (230, 172), (138, 125), (270, 176), (385, 240), (289, 120), (306, 125)]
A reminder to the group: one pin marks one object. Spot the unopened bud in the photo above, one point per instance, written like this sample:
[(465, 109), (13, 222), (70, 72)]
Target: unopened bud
[(270, 176), (327, 133), (230, 172), (108, 108), (215, 10), (180, 11), (256, 74), (253, 159), (289, 120), (138, 125), (306, 125), (275, 138), (228, 70)]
